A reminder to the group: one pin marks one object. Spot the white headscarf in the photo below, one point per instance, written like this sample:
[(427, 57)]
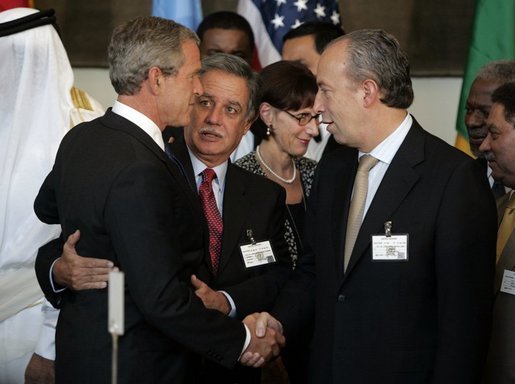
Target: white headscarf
[(35, 82)]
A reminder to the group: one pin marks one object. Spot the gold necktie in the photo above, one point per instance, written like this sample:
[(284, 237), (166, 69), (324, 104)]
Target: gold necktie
[(507, 225), (357, 205)]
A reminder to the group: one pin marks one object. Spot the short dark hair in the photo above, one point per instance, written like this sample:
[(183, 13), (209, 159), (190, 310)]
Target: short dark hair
[(322, 32), (226, 20), (286, 85), (505, 95)]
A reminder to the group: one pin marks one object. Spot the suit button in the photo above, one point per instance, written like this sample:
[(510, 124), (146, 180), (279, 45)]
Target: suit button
[(341, 298)]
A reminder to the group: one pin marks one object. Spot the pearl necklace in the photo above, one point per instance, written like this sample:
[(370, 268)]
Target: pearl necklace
[(287, 181)]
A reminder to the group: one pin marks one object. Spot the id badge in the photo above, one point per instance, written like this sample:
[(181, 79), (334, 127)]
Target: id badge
[(390, 247), (508, 282), (257, 254)]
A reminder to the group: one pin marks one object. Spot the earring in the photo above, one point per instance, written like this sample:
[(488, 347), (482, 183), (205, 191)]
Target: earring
[(269, 130)]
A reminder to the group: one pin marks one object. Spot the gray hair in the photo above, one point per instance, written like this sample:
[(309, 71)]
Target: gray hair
[(236, 66), (142, 43), (501, 71), (375, 54)]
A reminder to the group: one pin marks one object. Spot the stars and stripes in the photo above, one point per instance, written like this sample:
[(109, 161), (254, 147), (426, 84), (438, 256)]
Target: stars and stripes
[(272, 19)]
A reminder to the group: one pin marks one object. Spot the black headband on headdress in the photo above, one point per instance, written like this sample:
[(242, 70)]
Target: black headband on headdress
[(27, 22)]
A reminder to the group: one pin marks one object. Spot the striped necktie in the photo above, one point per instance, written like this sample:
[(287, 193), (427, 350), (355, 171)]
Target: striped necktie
[(357, 205)]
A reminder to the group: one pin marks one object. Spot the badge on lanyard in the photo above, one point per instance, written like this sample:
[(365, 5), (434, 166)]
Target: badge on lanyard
[(390, 247), (257, 253), (508, 282)]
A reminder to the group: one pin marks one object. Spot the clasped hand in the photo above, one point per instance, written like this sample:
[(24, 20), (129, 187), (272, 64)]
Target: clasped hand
[(266, 332), (266, 339)]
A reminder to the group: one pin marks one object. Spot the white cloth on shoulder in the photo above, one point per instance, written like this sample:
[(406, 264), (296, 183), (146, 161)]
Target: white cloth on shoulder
[(36, 111)]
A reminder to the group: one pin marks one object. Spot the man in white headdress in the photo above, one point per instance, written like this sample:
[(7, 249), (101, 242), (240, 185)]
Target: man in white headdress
[(39, 105)]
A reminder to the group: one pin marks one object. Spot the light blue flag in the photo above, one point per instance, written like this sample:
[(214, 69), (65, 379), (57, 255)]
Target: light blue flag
[(185, 12)]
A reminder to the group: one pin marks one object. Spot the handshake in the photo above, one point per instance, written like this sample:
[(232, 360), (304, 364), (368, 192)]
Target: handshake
[(79, 273), (266, 339)]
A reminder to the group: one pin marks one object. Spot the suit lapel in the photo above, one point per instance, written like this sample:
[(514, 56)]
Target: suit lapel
[(119, 123), (235, 212), (180, 150), (397, 182), (507, 259), (340, 202)]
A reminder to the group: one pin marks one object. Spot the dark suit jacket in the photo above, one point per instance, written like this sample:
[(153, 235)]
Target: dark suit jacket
[(250, 202), (330, 146), (111, 181), (500, 367), (425, 320)]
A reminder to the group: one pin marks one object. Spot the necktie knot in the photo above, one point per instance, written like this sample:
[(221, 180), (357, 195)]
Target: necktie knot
[(366, 163), (208, 175), (511, 203), (498, 189)]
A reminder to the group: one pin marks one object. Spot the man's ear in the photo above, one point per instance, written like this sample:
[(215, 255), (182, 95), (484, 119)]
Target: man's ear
[(155, 78), (370, 92)]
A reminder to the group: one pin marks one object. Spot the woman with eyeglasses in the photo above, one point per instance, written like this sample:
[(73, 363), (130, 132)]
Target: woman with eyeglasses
[(288, 123)]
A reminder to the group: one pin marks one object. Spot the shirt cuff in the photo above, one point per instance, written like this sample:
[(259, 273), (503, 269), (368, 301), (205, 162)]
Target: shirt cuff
[(46, 342), (247, 340), (54, 286), (232, 312)]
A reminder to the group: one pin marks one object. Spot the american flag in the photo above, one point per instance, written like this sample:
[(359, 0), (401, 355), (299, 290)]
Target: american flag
[(272, 19)]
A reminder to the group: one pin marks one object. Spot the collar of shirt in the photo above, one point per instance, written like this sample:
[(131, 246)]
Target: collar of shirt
[(218, 183), (387, 149), (385, 152), (142, 121)]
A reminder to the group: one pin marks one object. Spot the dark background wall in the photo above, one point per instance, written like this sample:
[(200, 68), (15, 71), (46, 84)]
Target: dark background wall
[(435, 33)]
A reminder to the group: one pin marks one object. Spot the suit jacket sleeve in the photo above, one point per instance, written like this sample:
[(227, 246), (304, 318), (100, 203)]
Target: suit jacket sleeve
[(465, 262), (45, 207), (46, 256)]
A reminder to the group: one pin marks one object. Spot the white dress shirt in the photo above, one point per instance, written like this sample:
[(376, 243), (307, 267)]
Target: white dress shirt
[(385, 152)]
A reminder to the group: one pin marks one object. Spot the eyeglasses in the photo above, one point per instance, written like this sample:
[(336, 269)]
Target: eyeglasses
[(304, 118)]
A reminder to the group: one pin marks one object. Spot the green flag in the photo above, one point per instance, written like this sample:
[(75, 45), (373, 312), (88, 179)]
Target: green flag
[(493, 38)]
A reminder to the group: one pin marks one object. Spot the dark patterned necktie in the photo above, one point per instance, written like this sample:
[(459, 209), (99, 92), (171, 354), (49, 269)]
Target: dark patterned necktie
[(498, 189), (213, 217)]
